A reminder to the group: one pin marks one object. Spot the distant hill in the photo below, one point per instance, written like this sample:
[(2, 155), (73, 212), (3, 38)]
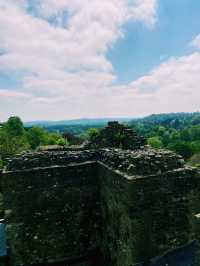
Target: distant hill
[(83, 121), (79, 126), (173, 120)]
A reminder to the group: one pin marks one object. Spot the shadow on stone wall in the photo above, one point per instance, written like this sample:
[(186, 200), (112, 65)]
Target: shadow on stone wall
[(183, 256), (91, 212)]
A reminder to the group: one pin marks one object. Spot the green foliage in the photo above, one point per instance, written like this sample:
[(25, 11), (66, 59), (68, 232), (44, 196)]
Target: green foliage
[(161, 130), (155, 142), (185, 135), (178, 132), (62, 142), (40, 137), (196, 120), (182, 148), (93, 133), (195, 146), (74, 129), (36, 136), (177, 121), (14, 127), (14, 138)]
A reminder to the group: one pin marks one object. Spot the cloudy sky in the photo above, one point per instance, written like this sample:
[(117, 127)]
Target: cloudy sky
[(64, 59)]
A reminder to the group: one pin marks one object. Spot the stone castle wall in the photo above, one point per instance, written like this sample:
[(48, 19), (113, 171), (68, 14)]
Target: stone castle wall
[(112, 206), (145, 217), (52, 213), (99, 207)]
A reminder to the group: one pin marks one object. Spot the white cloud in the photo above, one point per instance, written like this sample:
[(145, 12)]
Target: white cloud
[(171, 87), (145, 11), (92, 27), (64, 66), (59, 48), (4, 93), (196, 42)]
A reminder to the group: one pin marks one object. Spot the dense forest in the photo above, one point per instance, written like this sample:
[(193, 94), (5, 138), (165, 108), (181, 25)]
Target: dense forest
[(179, 132)]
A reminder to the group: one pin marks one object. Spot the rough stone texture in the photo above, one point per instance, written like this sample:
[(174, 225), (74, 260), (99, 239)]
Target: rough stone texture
[(145, 161), (118, 135), (53, 213), (137, 162), (46, 158), (69, 210), (110, 207), (144, 217)]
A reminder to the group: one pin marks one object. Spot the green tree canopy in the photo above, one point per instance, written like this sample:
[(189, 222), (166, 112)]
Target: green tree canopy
[(14, 127), (10, 143), (155, 142), (182, 148), (62, 142), (93, 133), (36, 137)]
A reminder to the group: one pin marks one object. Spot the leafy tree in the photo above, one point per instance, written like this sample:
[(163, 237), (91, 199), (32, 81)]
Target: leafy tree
[(166, 138), (39, 137), (195, 146), (10, 143), (93, 133), (62, 142), (174, 136), (185, 134), (196, 120), (161, 130), (53, 138), (179, 132), (155, 142), (195, 132), (36, 136), (14, 127), (182, 148)]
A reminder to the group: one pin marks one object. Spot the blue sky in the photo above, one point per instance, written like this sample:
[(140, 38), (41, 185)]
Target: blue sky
[(70, 59), (144, 48)]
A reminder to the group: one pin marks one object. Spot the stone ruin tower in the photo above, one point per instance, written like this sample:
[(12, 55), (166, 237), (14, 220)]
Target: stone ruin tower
[(118, 135), (102, 206)]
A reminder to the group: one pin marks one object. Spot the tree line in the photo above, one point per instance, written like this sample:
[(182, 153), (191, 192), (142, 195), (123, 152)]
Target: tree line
[(15, 138), (177, 132)]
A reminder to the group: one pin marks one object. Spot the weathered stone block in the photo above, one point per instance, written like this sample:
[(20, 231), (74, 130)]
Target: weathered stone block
[(108, 207)]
